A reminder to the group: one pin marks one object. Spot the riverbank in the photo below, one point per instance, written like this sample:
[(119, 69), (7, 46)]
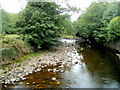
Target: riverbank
[(13, 47), (17, 72)]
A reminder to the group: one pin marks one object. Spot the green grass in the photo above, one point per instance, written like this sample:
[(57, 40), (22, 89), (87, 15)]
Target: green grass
[(14, 36), (14, 47), (27, 57), (22, 59)]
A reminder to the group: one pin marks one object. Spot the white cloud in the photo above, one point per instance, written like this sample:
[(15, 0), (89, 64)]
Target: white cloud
[(80, 3), (13, 6)]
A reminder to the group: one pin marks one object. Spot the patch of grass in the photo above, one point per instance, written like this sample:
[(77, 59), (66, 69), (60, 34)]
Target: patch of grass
[(13, 36), (27, 57), (22, 59), (14, 47)]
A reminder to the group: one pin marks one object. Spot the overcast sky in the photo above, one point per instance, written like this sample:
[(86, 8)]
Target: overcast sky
[(14, 6)]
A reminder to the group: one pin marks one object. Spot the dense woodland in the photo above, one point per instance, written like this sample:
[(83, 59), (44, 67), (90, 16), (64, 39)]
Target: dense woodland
[(41, 25), (101, 22)]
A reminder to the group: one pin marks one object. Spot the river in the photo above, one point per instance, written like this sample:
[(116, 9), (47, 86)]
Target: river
[(94, 66)]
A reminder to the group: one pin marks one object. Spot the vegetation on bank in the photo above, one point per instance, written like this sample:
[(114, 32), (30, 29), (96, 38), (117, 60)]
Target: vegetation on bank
[(101, 22), (38, 26), (41, 24), (21, 60), (14, 47)]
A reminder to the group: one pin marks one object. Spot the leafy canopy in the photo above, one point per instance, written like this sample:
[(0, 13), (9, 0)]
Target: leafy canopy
[(96, 22), (40, 24), (114, 29)]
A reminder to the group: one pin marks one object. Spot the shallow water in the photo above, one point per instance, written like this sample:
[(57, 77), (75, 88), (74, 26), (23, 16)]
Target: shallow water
[(93, 66)]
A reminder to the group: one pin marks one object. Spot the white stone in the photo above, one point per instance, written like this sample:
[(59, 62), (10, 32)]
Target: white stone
[(38, 70), (26, 73), (49, 70), (53, 78), (13, 79), (30, 72)]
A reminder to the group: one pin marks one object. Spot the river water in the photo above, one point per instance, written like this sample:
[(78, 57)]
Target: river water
[(94, 66)]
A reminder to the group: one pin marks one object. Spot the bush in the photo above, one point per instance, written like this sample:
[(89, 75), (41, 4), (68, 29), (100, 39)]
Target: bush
[(13, 47), (114, 29), (100, 22), (39, 24)]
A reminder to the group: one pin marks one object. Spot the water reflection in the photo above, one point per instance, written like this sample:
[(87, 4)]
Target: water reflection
[(100, 61), (99, 69)]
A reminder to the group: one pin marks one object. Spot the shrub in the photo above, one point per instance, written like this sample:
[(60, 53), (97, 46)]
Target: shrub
[(39, 23), (114, 29)]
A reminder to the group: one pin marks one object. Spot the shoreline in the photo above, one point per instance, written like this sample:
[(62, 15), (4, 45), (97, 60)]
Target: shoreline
[(48, 58)]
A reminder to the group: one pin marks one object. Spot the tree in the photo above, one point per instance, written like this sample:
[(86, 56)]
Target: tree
[(39, 23), (68, 28), (91, 20), (114, 29), (94, 23), (111, 12), (5, 22), (8, 22)]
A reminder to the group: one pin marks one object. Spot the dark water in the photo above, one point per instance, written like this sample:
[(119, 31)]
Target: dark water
[(95, 68)]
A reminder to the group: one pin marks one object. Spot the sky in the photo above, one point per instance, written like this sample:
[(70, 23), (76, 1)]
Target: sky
[(15, 6)]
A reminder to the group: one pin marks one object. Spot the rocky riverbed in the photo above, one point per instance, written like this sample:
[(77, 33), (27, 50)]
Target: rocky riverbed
[(63, 54)]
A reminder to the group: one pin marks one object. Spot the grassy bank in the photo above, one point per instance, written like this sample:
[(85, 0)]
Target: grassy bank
[(20, 60), (13, 47)]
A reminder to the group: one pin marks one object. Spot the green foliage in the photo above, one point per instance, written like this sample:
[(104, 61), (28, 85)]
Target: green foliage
[(112, 11), (9, 53), (13, 47), (91, 20), (5, 21), (8, 22), (39, 23), (114, 29), (94, 23), (68, 28)]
